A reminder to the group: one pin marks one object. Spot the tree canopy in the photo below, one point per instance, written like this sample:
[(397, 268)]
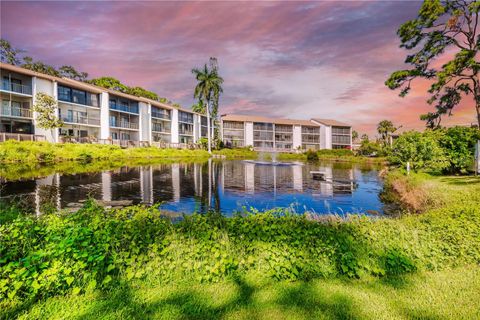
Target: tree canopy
[(385, 128), (10, 55), (447, 29)]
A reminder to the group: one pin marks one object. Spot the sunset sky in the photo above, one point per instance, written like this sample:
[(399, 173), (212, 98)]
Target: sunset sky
[(281, 59)]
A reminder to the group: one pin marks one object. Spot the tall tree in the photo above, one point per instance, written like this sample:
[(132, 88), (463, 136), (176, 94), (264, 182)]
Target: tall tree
[(109, 83), (207, 90), (71, 73), (199, 107), (45, 106), (354, 135), (442, 27), (384, 129), (8, 54), (39, 66)]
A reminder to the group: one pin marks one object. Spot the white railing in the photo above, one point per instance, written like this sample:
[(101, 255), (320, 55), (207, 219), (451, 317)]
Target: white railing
[(4, 136), (16, 87), (16, 112)]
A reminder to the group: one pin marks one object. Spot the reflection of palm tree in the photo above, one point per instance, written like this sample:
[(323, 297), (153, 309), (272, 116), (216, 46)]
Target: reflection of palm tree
[(216, 190)]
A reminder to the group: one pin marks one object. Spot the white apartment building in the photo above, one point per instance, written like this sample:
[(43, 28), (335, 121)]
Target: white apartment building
[(284, 135), (91, 113)]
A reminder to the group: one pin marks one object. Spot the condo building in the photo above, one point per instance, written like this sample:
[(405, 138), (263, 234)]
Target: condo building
[(284, 135), (92, 114)]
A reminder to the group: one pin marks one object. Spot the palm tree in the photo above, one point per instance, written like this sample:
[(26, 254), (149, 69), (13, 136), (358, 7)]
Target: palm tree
[(385, 129), (199, 107), (207, 90)]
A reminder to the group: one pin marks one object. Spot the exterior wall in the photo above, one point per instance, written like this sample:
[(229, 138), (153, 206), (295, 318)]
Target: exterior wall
[(248, 133), (50, 88), (196, 127), (297, 137), (104, 116), (145, 121), (328, 137), (175, 126)]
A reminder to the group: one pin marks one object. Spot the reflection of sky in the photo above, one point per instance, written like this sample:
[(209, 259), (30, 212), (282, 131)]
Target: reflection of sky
[(184, 188), (363, 198)]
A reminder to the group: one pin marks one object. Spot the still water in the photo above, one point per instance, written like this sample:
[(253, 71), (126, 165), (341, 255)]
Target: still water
[(223, 186)]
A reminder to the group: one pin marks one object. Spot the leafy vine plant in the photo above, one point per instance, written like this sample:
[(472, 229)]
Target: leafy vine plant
[(443, 29)]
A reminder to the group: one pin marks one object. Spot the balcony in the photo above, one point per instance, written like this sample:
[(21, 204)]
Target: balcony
[(124, 124), (185, 133), (158, 127), (120, 107), (81, 120), (16, 87), (16, 112), (160, 115)]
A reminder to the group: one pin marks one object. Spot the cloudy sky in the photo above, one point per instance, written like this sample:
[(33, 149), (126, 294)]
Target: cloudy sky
[(325, 59)]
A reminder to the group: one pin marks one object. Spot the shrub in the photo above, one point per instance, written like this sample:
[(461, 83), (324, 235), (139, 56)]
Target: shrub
[(97, 247), (335, 152), (311, 155), (458, 144), (370, 148), (421, 150), (203, 142)]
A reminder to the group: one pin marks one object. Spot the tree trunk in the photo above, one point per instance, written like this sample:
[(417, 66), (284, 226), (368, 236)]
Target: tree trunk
[(477, 102), (208, 128)]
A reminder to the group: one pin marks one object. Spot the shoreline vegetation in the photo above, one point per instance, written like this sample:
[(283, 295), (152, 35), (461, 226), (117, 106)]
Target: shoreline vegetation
[(26, 152), (132, 262)]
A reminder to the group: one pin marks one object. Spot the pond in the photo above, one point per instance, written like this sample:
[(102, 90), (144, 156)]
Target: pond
[(223, 186)]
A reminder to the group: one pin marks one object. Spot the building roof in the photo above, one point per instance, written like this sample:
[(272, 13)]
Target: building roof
[(330, 122), (70, 82), (245, 118), (312, 122), (88, 87)]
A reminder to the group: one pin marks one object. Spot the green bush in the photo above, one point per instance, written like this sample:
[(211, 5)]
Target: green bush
[(371, 148), (458, 144), (335, 152), (421, 150), (203, 142), (96, 247), (311, 155), (47, 153)]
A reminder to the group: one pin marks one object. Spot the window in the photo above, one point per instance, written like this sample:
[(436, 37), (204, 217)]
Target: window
[(64, 93), (263, 126), (113, 121), (185, 117), (79, 97), (233, 125)]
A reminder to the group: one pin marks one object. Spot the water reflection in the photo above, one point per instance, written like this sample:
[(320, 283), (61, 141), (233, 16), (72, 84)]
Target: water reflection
[(225, 186)]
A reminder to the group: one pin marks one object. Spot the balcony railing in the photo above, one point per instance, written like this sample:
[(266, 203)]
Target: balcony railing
[(160, 115), (160, 128), (119, 107), (124, 124), (5, 136), (15, 87), (82, 120), (16, 112)]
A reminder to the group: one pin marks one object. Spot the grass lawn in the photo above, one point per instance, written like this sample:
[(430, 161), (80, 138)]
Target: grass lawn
[(449, 294)]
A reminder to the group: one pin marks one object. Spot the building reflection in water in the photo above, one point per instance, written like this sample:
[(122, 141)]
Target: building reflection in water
[(224, 186)]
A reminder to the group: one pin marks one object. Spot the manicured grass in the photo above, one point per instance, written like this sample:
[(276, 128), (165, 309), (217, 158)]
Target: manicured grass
[(450, 294)]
